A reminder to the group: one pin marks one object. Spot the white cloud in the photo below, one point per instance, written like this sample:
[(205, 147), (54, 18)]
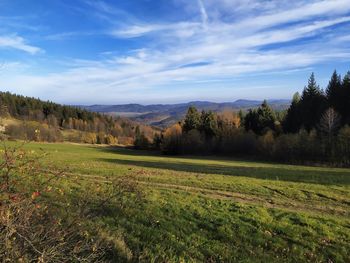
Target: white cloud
[(16, 42), (137, 30), (70, 35), (181, 30), (217, 39), (310, 10), (203, 12)]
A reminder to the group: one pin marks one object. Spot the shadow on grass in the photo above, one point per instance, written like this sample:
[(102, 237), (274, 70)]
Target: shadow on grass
[(127, 151), (271, 173), (133, 152)]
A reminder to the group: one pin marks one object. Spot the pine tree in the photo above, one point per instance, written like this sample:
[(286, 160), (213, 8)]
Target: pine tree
[(260, 120), (208, 124), (251, 120), (334, 92), (292, 121), (313, 103), (266, 116), (192, 119), (345, 111)]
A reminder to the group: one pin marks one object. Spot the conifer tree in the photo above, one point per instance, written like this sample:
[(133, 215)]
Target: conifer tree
[(266, 116), (241, 117), (261, 119), (292, 121), (209, 125), (334, 92), (313, 103), (251, 120), (345, 111), (192, 119)]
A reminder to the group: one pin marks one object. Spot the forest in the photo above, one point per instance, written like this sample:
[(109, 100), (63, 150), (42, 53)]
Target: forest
[(47, 121), (315, 128)]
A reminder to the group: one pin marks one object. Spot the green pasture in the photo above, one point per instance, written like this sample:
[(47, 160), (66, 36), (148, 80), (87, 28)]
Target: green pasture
[(211, 209)]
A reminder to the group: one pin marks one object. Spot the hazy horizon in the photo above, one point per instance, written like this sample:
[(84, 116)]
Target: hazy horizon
[(166, 52), (181, 102)]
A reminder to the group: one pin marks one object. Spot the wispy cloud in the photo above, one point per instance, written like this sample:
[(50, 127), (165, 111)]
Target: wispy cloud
[(17, 42), (203, 12), (181, 30), (108, 12), (72, 34), (219, 40), (19, 22)]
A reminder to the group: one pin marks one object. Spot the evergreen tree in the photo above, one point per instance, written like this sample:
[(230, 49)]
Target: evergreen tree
[(192, 119), (267, 116), (292, 121), (345, 111), (208, 124), (251, 120), (313, 103), (334, 92), (261, 119)]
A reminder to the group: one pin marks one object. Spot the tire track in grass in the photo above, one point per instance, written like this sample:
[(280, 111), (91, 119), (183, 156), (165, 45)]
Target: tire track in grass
[(249, 199), (229, 195)]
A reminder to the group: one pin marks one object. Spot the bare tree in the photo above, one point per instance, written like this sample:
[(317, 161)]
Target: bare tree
[(330, 122)]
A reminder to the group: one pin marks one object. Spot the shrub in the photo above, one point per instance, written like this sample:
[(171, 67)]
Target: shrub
[(111, 140), (101, 138), (343, 146), (34, 131), (40, 223), (89, 137), (31, 229), (125, 140)]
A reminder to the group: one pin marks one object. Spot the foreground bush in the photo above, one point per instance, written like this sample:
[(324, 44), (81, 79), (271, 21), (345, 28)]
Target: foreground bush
[(40, 223)]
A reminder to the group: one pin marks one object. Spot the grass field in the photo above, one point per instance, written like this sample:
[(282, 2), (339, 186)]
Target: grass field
[(219, 210)]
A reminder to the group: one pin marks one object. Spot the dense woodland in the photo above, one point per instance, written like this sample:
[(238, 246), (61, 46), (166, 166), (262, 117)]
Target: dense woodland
[(315, 128), (48, 121)]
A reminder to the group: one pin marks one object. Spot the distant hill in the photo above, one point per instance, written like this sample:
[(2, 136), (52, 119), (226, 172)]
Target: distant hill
[(28, 118), (163, 115)]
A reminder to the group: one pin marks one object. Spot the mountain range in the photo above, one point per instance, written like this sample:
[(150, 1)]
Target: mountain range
[(163, 115)]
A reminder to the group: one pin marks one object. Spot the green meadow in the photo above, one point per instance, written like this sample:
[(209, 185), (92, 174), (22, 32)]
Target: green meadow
[(211, 209)]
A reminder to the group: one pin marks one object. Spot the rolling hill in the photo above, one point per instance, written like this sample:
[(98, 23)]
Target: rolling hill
[(163, 115)]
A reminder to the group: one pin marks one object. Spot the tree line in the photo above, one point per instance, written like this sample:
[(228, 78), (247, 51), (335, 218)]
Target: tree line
[(315, 128), (48, 121)]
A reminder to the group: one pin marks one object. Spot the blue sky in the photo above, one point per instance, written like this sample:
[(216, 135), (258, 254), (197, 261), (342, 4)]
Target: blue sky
[(168, 51)]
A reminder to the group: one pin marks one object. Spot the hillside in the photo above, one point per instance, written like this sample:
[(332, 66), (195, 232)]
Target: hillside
[(163, 115), (33, 119)]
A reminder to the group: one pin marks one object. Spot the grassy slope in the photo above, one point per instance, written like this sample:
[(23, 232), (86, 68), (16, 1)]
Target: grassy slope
[(202, 209)]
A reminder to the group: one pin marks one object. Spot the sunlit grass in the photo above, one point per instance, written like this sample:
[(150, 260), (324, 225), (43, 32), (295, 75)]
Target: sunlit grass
[(213, 209)]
